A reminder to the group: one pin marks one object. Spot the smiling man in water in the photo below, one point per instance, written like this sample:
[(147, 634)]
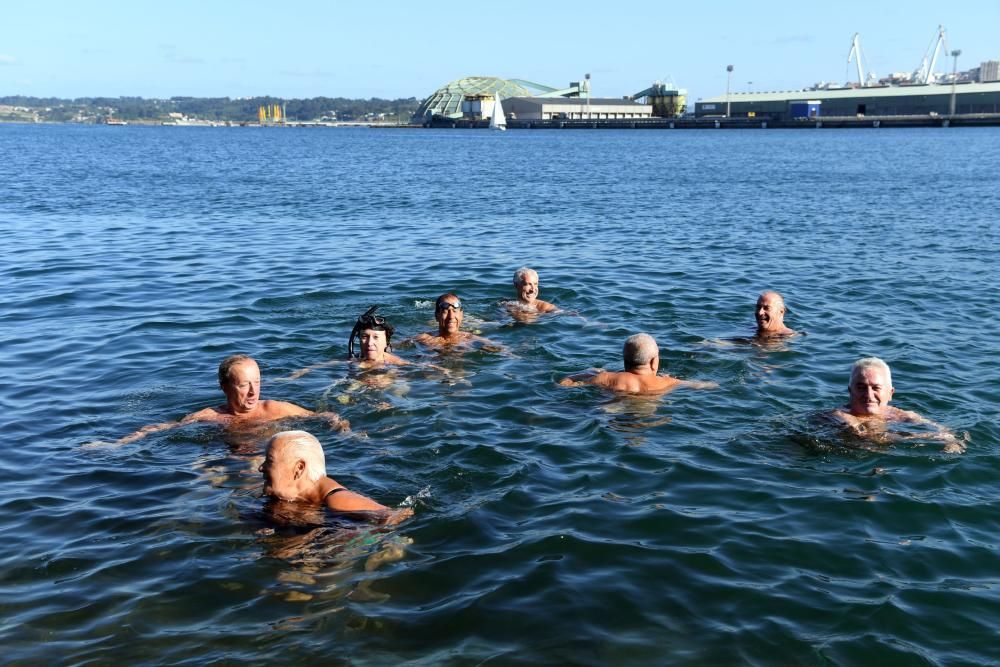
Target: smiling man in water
[(294, 470), (239, 379), (526, 286), (868, 412), (641, 357), (770, 316), (448, 313)]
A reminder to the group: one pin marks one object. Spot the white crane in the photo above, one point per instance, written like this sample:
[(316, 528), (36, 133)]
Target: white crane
[(855, 55), (925, 73)]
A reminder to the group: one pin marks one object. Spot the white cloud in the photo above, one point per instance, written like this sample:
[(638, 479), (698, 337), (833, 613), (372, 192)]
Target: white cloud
[(7, 60)]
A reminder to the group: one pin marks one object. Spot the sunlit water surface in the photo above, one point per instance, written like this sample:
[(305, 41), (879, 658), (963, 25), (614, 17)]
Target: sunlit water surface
[(553, 525)]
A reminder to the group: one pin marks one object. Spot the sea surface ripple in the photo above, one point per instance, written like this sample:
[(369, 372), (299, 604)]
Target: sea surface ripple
[(552, 525)]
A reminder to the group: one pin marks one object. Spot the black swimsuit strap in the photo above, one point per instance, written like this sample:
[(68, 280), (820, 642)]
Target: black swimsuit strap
[(331, 492)]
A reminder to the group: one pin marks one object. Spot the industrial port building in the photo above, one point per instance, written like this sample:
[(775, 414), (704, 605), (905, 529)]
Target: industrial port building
[(902, 100), (472, 99)]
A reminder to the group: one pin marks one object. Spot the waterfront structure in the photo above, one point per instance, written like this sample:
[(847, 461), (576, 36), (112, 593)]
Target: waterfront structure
[(574, 108), (668, 101), (904, 100), (449, 101)]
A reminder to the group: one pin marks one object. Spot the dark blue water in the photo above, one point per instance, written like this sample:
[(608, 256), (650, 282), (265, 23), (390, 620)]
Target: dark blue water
[(552, 525)]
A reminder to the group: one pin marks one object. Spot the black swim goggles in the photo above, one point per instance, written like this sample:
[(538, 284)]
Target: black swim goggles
[(369, 320), (445, 305)]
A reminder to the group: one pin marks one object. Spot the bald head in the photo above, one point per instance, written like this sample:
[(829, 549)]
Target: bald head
[(770, 314), (287, 448), (639, 350)]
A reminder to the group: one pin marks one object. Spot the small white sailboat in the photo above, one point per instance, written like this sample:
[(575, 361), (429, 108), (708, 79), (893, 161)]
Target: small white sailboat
[(498, 121)]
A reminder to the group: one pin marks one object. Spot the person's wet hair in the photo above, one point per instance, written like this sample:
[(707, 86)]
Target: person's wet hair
[(369, 320), (441, 300), (227, 365)]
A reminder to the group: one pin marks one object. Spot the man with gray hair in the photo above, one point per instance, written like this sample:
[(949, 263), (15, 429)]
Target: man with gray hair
[(294, 470), (868, 412), (641, 357), (526, 286)]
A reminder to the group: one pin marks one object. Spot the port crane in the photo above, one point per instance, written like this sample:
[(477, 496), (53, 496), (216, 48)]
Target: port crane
[(925, 73), (855, 55)]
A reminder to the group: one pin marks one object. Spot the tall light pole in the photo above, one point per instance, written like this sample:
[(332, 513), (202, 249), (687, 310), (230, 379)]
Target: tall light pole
[(729, 80), (954, 79)]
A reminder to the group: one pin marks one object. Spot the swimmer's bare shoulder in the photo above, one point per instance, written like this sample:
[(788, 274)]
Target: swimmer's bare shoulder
[(271, 409)]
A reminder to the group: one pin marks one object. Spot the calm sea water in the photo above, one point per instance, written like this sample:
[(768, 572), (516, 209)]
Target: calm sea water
[(552, 525)]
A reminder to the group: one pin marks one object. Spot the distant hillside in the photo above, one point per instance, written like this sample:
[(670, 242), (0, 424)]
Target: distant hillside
[(93, 109)]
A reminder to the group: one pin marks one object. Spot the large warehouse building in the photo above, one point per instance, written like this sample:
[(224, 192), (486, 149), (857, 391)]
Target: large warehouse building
[(904, 100), (472, 99)]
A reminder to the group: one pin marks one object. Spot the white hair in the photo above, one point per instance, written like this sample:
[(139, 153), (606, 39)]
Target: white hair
[(871, 362), (305, 446), (521, 273), (639, 350)]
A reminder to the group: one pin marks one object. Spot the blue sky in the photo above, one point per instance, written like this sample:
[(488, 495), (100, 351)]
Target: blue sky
[(402, 49)]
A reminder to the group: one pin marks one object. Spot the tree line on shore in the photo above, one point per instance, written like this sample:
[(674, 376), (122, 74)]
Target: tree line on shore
[(211, 108)]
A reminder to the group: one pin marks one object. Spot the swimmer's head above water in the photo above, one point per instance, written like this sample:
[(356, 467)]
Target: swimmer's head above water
[(870, 388), (375, 334), (770, 316)]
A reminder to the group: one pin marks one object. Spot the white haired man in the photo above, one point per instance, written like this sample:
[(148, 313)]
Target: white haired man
[(294, 470), (526, 286), (868, 412), (641, 357)]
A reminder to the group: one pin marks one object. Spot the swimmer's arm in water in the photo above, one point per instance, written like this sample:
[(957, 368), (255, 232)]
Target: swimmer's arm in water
[(348, 502), (206, 415), (308, 369), (581, 379), (698, 384), (336, 421), (952, 443), (490, 346)]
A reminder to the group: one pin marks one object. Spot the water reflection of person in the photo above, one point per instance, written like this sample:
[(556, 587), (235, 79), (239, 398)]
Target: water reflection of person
[(239, 379), (294, 470), (641, 357), (868, 413)]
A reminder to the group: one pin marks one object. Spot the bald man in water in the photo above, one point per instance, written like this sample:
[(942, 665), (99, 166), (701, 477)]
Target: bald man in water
[(770, 316), (294, 470), (868, 413), (449, 314), (641, 357), (239, 379)]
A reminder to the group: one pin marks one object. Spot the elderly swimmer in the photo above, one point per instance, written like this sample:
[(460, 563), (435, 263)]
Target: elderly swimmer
[(526, 286), (448, 313), (868, 412), (294, 470), (641, 357), (239, 379), (374, 333), (770, 316)]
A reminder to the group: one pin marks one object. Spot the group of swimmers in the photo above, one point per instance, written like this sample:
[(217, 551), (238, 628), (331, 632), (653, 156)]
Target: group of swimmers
[(294, 467)]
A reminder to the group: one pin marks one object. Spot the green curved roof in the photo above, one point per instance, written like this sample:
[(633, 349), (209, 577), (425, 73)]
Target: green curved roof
[(447, 100)]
